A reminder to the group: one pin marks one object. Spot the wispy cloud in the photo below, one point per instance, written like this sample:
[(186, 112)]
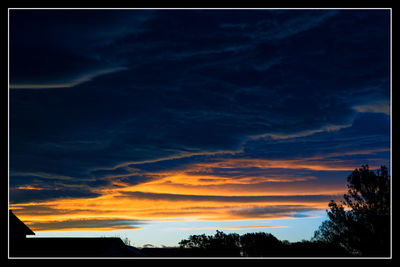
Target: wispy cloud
[(380, 106), (272, 212), (107, 224), (68, 83), (292, 26), (233, 199)]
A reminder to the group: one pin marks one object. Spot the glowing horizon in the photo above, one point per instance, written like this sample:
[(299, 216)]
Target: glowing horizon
[(163, 123)]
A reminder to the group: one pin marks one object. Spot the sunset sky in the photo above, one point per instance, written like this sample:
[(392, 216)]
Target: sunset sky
[(156, 124)]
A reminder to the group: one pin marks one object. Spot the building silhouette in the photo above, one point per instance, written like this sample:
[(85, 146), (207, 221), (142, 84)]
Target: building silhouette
[(21, 246), (18, 230)]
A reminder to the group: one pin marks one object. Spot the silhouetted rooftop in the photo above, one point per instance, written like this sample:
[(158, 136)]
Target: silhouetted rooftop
[(73, 247), (20, 246), (17, 228)]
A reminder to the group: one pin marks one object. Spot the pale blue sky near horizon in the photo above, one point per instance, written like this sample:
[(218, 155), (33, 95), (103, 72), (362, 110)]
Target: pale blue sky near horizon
[(170, 233)]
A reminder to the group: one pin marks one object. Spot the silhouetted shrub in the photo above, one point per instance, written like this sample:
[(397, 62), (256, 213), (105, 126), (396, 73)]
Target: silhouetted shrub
[(254, 245), (260, 244), (220, 244)]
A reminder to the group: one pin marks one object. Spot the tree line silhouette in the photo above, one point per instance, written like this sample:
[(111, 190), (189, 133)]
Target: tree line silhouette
[(258, 244), (357, 226)]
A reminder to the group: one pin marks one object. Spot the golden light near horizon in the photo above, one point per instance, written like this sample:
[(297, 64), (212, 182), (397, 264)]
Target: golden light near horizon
[(184, 194)]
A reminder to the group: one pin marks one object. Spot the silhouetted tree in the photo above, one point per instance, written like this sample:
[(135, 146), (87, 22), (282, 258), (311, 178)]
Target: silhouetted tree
[(361, 223), (195, 241), (220, 244), (255, 245), (222, 240), (260, 244)]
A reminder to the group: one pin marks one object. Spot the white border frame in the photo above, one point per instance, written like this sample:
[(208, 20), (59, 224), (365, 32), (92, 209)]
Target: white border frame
[(240, 258)]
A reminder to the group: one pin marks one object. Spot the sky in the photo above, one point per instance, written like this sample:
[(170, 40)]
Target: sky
[(157, 124)]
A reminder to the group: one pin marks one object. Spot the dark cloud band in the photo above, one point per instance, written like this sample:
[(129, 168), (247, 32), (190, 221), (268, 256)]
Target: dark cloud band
[(242, 199)]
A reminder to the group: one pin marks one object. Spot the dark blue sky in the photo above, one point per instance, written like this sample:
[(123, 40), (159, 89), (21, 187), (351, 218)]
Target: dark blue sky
[(101, 99)]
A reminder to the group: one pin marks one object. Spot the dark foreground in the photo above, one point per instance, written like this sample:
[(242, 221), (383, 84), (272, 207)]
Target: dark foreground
[(114, 247)]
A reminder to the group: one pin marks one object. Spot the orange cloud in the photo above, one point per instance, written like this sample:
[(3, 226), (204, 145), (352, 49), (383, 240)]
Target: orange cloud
[(28, 187), (61, 214), (315, 164), (193, 192)]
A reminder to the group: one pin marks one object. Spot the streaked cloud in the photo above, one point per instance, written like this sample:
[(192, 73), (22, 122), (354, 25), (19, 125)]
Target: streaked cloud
[(271, 212), (381, 106), (39, 195), (88, 225), (228, 199), (292, 25), (68, 83), (192, 114)]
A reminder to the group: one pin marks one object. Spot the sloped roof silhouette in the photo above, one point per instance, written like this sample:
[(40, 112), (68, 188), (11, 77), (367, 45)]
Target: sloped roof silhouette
[(64, 246), (74, 247), (17, 227)]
